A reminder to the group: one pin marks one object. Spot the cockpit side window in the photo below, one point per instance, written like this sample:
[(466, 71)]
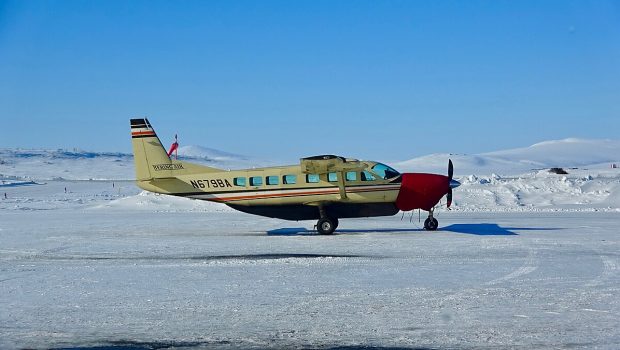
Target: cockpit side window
[(385, 172)]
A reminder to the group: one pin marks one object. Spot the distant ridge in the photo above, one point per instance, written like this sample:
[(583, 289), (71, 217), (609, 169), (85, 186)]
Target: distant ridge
[(208, 153), (41, 164), (570, 152)]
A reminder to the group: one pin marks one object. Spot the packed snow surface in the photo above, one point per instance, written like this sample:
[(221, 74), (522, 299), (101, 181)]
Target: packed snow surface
[(94, 278)]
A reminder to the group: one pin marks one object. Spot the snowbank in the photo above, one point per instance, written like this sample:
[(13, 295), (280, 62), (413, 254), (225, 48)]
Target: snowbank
[(581, 190)]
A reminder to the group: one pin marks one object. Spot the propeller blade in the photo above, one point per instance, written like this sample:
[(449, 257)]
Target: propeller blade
[(451, 183)]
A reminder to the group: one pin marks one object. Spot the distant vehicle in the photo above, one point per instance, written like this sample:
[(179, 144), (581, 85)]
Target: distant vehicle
[(324, 188)]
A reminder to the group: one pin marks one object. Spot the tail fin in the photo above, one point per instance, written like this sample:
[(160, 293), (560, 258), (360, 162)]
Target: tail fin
[(152, 160), (150, 157)]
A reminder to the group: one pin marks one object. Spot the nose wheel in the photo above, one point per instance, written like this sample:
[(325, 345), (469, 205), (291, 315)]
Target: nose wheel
[(431, 224)]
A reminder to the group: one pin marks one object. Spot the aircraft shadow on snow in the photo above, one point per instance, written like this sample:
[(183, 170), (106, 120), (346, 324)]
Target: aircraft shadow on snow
[(482, 229)]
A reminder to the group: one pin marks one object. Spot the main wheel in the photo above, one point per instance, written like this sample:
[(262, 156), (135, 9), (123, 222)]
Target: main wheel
[(431, 224), (326, 226)]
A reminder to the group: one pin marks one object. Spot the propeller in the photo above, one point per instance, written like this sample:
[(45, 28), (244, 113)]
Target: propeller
[(450, 173)]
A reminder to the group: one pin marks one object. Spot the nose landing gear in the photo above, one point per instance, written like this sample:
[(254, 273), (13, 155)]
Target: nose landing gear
[(431, 224)]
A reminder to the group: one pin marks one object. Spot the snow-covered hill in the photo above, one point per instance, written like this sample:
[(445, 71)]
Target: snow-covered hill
[(209, 154), (558, 153), (23, 164)]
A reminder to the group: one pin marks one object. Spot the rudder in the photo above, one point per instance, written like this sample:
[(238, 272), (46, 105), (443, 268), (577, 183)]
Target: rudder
[(150, 157)]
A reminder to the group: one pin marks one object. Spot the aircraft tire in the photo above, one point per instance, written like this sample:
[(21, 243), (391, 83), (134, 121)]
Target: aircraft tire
[(431, 224), (326, 226)]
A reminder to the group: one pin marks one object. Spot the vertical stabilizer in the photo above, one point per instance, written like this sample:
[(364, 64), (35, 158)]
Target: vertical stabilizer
[(150, 158)]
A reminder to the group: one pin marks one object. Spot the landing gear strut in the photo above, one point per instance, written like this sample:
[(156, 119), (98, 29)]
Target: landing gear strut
[(326, 225), (431, 223)]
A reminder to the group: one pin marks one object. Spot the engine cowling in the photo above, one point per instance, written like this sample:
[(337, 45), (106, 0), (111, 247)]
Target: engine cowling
[(421, 191)]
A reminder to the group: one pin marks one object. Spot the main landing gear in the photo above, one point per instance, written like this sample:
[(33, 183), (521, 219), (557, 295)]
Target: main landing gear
[(431, 224), (326, 225)]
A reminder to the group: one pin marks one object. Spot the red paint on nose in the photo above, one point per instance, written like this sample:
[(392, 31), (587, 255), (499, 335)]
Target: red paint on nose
[(421, 191)]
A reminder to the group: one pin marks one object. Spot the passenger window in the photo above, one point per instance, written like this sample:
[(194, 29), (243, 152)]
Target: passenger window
[(351, 176), (289, 179), (366, 176), (239, 181), (312, 178), (272, 180), (256, 181), (332, 177)]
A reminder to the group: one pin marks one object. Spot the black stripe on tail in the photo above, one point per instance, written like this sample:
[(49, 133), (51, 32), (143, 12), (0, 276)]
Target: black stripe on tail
[(140, 123)]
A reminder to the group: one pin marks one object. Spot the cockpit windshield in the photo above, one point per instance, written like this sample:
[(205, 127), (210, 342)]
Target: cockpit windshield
[(384, 171)]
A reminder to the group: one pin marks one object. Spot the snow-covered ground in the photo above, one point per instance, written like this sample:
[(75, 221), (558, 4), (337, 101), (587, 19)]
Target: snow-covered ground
[(526, 259), (140, 279)]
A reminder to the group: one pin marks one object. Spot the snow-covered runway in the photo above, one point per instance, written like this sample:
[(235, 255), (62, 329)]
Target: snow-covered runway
[(76, 277)]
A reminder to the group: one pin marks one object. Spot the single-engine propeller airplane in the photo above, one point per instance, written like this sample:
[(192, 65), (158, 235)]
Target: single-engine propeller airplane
[(324, 188)]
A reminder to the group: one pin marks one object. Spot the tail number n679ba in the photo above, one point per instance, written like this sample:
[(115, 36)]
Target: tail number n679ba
[(215, 183)]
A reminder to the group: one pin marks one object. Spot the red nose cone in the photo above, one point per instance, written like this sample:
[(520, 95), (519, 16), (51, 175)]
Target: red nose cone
[(421, 191)]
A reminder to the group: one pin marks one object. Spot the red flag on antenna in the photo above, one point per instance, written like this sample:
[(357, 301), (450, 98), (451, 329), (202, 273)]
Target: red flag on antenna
[(174, 146)]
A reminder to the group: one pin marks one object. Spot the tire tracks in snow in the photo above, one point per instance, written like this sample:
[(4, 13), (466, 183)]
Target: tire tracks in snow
[(530, 265), (610, 268)]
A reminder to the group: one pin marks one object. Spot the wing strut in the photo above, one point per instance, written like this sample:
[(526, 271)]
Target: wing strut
[(341, 186)]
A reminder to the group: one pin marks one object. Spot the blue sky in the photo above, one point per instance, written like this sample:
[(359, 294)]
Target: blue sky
[(385, 80)]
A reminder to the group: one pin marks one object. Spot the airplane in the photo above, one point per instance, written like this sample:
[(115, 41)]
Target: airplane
[(324, 188)]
